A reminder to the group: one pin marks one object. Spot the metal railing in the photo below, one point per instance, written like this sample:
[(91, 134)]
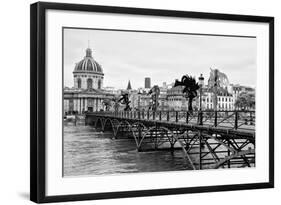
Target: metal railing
[(228, 119)]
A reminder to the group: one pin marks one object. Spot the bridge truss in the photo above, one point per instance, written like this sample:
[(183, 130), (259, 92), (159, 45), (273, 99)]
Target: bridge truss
[(208, 140)]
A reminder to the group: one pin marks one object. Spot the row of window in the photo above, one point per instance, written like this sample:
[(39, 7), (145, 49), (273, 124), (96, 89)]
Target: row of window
[(89, 83), (219, 99), (175, 99)]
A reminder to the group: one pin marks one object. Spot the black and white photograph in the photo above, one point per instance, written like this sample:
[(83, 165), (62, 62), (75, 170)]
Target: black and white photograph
[(134, 102), (140, 102), (147, 101)]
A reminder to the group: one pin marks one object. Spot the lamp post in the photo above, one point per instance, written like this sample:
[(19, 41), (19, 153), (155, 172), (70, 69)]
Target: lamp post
[(201, 84)]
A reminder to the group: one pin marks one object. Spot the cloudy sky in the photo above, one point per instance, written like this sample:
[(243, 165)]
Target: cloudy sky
[(133, 56)]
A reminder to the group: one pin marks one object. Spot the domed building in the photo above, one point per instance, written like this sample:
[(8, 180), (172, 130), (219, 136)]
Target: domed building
[(87, 94), (88, 73), (176, 99)]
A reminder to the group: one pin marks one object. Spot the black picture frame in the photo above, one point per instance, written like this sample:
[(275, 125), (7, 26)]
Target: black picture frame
[(38, 100)]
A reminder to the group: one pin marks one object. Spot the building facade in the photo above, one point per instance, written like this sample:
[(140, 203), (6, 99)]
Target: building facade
[(87, 94), (147, 82), (225, 100), (172, 98), (226, 97), (176, 100)]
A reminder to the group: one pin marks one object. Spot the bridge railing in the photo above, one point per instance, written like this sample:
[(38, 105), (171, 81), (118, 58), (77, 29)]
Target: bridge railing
[(228, 119)]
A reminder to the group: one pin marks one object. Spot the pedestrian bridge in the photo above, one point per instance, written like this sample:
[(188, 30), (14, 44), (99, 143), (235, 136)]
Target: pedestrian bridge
[(208, 139)]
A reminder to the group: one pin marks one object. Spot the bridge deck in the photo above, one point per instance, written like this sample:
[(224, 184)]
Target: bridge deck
[(217, 139), (205, 127)]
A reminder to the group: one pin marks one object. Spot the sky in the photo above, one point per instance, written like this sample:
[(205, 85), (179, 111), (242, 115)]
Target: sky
[(163, 57)]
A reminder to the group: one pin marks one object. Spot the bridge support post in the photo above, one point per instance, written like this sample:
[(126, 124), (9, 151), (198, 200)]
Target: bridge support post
[(155, 139), (216, 119), (187, 117), (228, 154), (200, 118), (200, 150), (172, 146), (236, 120)]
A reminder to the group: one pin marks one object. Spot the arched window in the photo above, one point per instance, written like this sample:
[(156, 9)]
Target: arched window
[(89, 83), (99, 84), (79, 83)]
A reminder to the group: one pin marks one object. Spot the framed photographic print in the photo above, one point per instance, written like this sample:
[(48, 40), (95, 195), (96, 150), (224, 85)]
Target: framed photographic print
[(129, 102)]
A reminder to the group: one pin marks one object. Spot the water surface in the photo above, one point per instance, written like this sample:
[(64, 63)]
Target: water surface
[(90, 152)]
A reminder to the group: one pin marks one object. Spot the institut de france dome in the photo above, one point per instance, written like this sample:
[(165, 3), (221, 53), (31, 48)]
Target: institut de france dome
[(87, 94)]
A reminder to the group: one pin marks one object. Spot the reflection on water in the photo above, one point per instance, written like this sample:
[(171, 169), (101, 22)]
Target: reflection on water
[(89, 152)]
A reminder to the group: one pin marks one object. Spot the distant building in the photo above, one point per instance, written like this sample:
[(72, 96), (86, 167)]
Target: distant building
[(226, 96), (112, 90), (164, 89), (172, 98), (225, 100), (176, 100), (236, 90), (141, 100), (88, 93), (147, 82)]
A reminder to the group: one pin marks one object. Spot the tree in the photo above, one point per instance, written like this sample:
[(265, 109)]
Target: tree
[(190, 87), (125, 101), (245, 100)]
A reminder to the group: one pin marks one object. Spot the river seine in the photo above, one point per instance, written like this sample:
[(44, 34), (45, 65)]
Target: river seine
[(90, 152)]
